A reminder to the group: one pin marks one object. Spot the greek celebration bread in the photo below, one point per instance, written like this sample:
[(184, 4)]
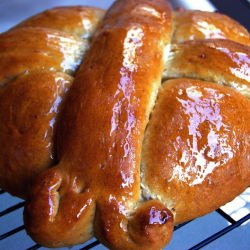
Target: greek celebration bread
[(150, 117)]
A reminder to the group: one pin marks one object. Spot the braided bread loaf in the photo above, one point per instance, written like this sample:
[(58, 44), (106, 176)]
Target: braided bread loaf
[(134, 156), (38, 60)]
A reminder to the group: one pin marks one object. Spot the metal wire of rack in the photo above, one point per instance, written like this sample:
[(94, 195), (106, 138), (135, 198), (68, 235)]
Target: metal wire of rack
[(233, 224)]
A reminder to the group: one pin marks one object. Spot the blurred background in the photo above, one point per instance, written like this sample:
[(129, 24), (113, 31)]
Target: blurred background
[(12, 233)]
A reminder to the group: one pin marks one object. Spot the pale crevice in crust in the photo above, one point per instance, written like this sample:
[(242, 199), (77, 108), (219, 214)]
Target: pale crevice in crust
[(8, 81), (220, 80), (78, 56), (211, 76), (145, 192), (215, 75)]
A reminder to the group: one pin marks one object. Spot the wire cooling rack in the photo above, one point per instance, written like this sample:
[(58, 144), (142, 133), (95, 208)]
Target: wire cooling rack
[(232, 216)]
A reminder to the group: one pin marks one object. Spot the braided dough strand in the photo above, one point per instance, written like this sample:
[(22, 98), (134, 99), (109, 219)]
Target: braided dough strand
[(110, 102)]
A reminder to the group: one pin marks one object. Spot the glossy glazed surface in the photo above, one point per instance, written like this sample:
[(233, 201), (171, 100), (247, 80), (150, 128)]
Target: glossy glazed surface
[(221, 61), (37, 61), (112, 179), (110, 102), (38, 49), (75, 20), (28, 114), (194, 25), (197, 147)]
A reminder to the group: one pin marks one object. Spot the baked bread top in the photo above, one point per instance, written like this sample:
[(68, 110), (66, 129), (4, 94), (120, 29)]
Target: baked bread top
[(153, 129), (38, 61)]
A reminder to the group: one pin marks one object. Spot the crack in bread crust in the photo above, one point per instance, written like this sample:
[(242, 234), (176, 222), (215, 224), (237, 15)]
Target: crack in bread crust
[(215, 60)]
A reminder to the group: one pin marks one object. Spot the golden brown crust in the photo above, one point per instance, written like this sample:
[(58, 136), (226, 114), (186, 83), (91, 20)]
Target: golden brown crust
[(38, 49), (116, 83), (36, 60), (196, 148), (74, 20), (195, 155), (221, 61), (28, 112), (194, 25), (64, 219), (152, 214)]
